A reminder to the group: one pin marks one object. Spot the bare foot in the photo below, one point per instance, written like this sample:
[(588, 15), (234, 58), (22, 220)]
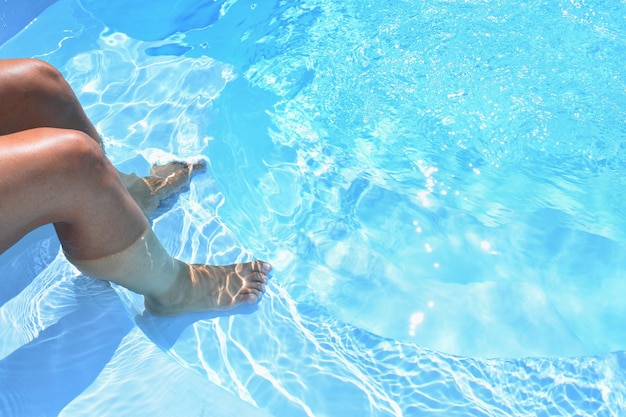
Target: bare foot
[(163, 182), (208, 287)]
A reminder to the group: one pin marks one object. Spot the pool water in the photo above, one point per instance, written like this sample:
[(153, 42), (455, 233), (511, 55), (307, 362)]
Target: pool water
[(438, 185)]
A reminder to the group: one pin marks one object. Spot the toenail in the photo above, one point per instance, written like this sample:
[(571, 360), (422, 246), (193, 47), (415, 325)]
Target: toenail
[(266, 267)]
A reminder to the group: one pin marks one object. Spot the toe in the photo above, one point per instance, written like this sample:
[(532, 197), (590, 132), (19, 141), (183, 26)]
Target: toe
[(198, 166), (266, 268), (256, 277), (259, 286), (251, 268), (261, 266), (250, 298)]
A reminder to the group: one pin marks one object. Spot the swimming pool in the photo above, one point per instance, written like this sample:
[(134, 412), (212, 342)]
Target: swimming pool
[(437, 184)]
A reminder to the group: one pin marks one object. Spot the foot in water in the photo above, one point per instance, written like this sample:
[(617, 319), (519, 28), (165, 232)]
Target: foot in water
[(163, 182), (212, 288), (171, 286)]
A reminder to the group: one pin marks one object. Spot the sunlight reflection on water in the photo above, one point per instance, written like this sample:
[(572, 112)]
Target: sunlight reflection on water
[(409, 200)]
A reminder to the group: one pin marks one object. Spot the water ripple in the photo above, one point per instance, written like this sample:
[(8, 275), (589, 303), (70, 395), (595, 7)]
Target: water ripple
[(439, 176)]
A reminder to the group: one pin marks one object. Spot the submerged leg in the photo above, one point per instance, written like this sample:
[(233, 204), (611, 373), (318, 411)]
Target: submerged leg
[(194, 287), (163, 182), (63, 177)]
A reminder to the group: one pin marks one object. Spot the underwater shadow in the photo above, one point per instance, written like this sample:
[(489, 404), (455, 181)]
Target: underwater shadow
[(45, 375), (22, 262), (164, 331)]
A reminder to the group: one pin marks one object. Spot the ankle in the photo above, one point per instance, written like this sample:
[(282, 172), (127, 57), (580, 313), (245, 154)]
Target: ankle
[(169, 300), (141, 192)]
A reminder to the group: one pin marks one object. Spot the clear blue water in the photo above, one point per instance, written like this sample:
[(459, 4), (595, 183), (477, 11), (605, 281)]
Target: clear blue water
[(438, 184)]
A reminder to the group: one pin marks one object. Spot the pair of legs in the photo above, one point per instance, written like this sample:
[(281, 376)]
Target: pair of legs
[(53, 170)]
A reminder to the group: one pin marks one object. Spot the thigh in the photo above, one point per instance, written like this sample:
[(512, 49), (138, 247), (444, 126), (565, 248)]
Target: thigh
[(16, 84), (34, 94)]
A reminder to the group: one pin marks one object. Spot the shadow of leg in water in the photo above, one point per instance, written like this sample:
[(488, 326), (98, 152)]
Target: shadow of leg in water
[(43, 376), (20, 264), (164, 331)]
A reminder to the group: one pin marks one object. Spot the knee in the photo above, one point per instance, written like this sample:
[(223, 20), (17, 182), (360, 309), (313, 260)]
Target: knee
[(43, 81), (79, 154), (38, 70)]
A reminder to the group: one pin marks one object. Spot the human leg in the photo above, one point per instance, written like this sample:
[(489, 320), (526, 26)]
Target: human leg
[(34, 94), (194, 287), (163, 181), (63, 177)]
